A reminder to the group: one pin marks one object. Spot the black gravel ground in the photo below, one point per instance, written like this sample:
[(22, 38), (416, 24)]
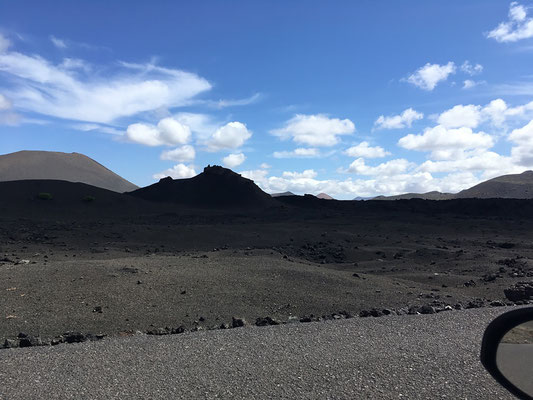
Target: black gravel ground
[(394, 357)]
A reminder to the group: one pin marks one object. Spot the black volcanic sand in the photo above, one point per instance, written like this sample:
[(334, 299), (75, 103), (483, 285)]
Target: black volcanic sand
[(118, 264)]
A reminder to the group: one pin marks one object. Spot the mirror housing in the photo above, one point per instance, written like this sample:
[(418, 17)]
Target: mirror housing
[(493, 337)]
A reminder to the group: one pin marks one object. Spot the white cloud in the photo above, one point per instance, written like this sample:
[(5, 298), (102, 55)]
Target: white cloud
[(232, 103), (298, 153), (180, 154), (265, 166), (516, 28), (233, 160), (364, 150), (428, 76), (389, 168), (201, 124), (230, 136), (168, 132), (5, 43), (7, 116), (522, 151), (5, 104), (471, 69), (307, 182), (87, 127), (469, 83), (468, 116), (307, 174), (491, 164), (178, 171), (59, 43), (446, 143), (405, 119), (315, 130), (38, 85)]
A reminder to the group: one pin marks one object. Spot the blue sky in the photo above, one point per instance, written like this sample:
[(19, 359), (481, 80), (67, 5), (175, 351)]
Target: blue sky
[(349, 98)]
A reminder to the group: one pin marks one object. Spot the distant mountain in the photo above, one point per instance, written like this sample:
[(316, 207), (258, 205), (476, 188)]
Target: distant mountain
[(515, 186), (214, 187), (359, 198), (72, 167), (283, 194), (425, 196), (324, 196)]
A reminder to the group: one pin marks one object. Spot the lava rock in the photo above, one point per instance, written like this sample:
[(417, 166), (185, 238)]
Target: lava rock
[(237, 322), (426, 310), (74, 337), (179, 329), (30, 341), (265, 321), (519, 292), (10, 344)]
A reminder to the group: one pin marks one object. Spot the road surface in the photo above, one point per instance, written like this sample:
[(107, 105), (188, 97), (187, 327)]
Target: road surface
[(396, 357)]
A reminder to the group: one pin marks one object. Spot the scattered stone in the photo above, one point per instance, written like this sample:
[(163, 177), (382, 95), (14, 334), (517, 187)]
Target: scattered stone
[(519, 292), (237, 322), (476, 303), (98, 309), (306, 319), (74, 337), (470, 283), (497, 303), (10, 344), (266, 321), (158, 331), (178, 330), (30, 341), (413, 310), (426, 310)]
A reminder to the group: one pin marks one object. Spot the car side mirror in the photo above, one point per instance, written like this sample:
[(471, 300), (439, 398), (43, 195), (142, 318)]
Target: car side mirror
[(507, 351)]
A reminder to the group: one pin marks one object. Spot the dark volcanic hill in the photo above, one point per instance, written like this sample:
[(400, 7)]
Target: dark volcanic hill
[(283, 194), (324, 196), (72, 167), (515, 186), (214, 187), (424, 196)]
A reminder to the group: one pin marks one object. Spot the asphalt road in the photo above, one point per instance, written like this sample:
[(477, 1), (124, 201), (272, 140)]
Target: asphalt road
[(399, 357)]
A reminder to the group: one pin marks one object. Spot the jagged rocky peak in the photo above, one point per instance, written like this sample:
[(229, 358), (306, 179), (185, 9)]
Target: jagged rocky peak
[(218, 170)]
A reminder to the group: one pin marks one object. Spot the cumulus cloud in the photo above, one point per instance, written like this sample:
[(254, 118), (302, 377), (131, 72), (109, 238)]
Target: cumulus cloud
[(389, 168), (405, 119), (428, 76), (307, 174), (364, 150), (458, 116), (230, 136), (471, 69), (307, 182), (522, 151), (168, 132), (518, 27), (491, 164), (469, 83), (233, 160), (59, 43), (315, 130), (298, 153), (180, 154), (201, 124), (496, 113), (265, 166), (178, 171), (59, 90), (444, 143)]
